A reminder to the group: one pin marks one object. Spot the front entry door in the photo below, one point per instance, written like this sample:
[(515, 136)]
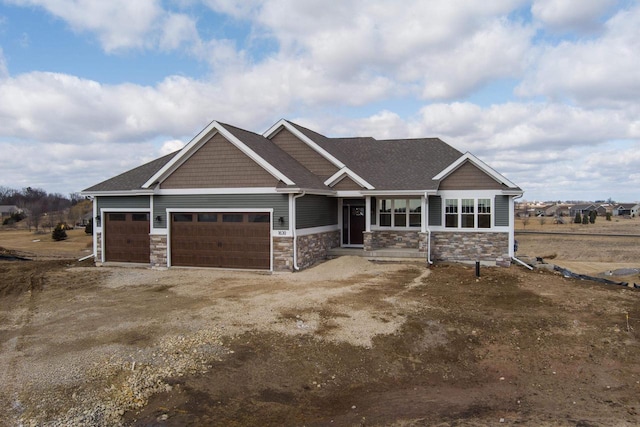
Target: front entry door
[(353, 225)]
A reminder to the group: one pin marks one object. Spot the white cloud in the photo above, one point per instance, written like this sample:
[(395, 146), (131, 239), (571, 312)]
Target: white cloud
[(177, 30), (602, 71), (567, 15), (171, 146)]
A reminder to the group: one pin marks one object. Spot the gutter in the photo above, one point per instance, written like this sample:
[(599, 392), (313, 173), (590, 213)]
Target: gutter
[(86, 257), (522, 262), (429, 246), (292, 220)]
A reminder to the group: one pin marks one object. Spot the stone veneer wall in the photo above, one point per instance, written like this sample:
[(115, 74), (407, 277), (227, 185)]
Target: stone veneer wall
[(313, 247), (400, 239), (98, 258), (158, 251), (282, 253), (454, 246)]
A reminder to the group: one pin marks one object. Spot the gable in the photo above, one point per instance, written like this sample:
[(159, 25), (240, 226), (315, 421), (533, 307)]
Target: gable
[(304, 154), (470, 177), (219, 164), (346, 184)]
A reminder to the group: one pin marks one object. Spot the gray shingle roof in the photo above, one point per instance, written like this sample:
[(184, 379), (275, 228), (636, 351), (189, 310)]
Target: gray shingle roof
[(393, 164), (134, 178)]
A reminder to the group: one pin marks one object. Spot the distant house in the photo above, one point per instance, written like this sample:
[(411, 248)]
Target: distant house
[(602, 210), (582, 209), (8, 210), (557, 210), (628, 209)]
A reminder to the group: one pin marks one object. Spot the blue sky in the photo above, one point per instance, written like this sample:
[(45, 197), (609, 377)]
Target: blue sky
[(545, 91)]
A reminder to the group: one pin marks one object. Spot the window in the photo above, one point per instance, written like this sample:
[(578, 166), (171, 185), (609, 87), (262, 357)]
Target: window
[(232, 218), (451, 213), (415, 212), (484, 213), (468, 217), (140, 217), (207, 217), (117, 217), (400, 213), (472, 213), (385, 212), (259, 218), (180, 217)]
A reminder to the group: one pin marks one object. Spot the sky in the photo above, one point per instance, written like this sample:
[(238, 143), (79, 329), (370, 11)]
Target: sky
[(547, 92)]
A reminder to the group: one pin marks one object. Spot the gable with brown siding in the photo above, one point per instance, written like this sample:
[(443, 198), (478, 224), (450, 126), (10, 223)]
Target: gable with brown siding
[(304, 154), (470, 177), (347, 184), (219, 164)]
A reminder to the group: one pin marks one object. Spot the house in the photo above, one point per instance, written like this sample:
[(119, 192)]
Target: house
[(557, 209), (627, 209), (281, 200), (8, 210), (582, 209)]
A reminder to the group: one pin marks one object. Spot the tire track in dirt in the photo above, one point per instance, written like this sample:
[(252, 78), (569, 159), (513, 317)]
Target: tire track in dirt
[(30, 297)]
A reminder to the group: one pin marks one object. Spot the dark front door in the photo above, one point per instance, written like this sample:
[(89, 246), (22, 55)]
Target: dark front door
[(353, 219)]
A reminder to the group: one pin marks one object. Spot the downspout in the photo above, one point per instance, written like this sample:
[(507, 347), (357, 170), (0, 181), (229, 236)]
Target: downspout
[(426, 220), (514, 236), (292, 220)]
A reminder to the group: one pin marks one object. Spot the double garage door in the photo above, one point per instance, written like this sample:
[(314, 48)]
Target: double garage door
[(209, 239), (221, 239)]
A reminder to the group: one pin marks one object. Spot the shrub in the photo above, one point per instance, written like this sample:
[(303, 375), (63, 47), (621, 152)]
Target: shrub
[(585, 219), (89, 227), (592, 217), (58, 233), (577, 219), (608, 216)]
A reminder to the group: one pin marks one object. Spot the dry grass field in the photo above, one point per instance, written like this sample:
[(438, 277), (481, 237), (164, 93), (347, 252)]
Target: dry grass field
[(592, 254)]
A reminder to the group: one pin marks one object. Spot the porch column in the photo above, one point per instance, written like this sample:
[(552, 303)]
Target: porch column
[(367, 213), (424, 214)]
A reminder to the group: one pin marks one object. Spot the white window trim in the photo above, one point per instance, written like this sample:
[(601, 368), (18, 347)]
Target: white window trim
[(407, 212), (469, 194), (475, 214)]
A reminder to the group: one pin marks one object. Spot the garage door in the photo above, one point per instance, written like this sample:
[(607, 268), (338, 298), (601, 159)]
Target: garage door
[(127, 237), (216, 239)]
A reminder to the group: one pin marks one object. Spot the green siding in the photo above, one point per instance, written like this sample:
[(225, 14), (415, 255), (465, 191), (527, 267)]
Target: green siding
[(278, 202), (122, 202), (316, 211), (502, 211), (435, 210)]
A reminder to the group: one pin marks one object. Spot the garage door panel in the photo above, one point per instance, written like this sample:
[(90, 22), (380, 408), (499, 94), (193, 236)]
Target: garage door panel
[(126, 237), (228, 240)]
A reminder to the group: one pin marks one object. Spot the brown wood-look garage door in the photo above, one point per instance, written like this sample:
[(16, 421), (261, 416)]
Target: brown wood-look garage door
[(127, 237), (221, 239)]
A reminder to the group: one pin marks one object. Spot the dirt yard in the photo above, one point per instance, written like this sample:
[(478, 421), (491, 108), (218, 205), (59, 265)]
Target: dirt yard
[(348, 342)]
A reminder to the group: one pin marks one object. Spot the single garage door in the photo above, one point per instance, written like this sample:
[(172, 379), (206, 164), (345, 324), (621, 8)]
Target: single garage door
[(127, 237), (221, 239)]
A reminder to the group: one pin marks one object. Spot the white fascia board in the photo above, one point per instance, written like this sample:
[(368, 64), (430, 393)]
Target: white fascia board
[(342, 173), (203, 191), (324, 153), (117, 193), (198, 139), (480, 164), (417, 193), (298, 190)]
